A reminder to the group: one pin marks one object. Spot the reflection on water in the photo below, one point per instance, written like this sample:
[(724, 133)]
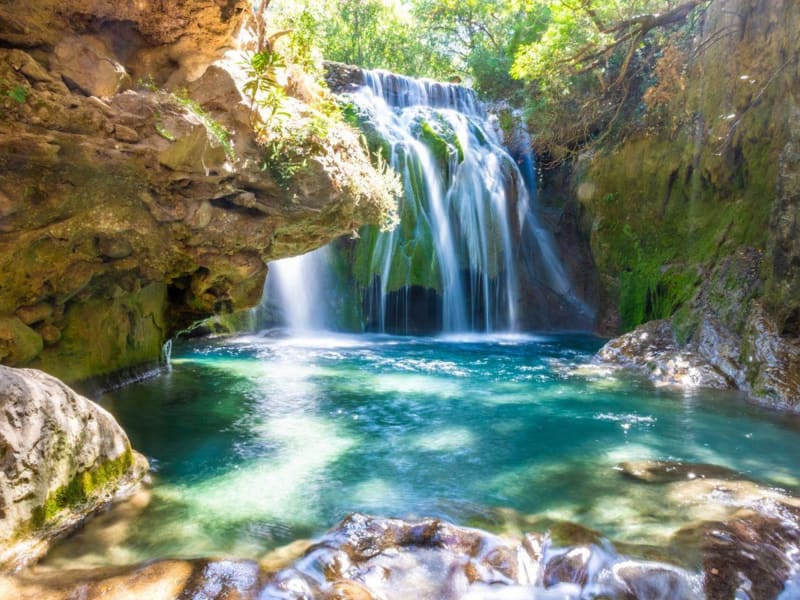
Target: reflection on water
[(258, 441)]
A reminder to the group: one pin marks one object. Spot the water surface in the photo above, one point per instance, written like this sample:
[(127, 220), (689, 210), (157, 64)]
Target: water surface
[(257, 441)]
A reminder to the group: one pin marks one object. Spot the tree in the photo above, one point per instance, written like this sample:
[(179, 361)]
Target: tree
[(368, 33), (482, 37), (592, 63)]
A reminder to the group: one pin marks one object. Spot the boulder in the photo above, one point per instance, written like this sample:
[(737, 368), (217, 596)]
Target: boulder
[(651, 349), (85, 63), (62, 458)]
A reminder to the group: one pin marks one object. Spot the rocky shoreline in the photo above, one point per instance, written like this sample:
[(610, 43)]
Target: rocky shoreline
[(364, 558)]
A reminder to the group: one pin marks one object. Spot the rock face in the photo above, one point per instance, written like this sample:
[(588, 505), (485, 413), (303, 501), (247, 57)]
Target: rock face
[(128, 211), (693, 218), (61, 458)]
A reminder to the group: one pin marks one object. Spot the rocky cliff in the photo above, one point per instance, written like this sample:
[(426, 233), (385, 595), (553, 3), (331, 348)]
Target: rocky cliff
[(694, 217), (136, 195)]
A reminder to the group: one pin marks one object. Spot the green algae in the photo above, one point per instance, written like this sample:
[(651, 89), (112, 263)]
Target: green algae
[(82, 488)]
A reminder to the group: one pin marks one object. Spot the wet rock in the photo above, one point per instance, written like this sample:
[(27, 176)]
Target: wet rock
[(61, 458), (651, 349), (570, 567), (342, 78), (663, 471), (282, 557), (655, 581), (752, 554), (387, 556)]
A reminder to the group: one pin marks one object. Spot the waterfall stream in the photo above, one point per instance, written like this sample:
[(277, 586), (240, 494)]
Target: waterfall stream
[(453, 263)]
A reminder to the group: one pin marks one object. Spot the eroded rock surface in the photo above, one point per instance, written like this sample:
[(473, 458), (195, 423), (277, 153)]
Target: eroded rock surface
[(61, 458), (694, 218), (136, 195)]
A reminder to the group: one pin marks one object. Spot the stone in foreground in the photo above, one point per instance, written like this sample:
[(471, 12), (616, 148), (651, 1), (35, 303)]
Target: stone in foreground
[(62, 458)]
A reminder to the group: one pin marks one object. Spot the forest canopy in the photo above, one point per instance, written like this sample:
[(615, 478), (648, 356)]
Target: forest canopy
[(555, 58)]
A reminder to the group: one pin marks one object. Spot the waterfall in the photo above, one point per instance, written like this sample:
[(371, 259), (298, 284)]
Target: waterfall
[(453, 263), (296, 291)]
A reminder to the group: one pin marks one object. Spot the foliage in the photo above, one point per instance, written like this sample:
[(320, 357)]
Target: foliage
[(579, 67), (593, 64), (18, 94), (482, 37), (370, 33), (216, 129), (262, 85)]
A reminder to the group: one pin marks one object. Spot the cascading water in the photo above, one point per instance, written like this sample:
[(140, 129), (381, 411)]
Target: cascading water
[(453, 262)]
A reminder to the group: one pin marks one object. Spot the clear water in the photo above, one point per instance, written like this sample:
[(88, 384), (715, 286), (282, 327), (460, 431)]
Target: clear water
[(258, 441)]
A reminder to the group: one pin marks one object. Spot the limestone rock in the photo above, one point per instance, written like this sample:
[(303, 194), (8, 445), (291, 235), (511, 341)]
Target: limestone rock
[(193, 153), (652, 350), (85, 63), (61, 458), (135, 215)]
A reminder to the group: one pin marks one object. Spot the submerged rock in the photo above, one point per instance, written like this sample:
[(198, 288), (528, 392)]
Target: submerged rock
[(665, 471), (62, 458)]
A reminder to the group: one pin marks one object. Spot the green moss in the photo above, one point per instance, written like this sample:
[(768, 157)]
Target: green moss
[(659, 226), (81, 489), (506, 119), (357, 118), (125, 330), (441, 139)]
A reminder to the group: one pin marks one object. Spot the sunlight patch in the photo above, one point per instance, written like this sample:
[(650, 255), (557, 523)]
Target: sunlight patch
[(283, 486), (450, 439)]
